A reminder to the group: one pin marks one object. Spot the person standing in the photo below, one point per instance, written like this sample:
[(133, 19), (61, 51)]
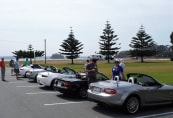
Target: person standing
[(16, 67), (92, 70), (2, 65), (11, 64), (26, 63), (117, 70), (85, 65), (121, 63)]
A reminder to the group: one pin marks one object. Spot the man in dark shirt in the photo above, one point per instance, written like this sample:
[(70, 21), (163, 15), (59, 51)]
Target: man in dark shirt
[(91, 70)]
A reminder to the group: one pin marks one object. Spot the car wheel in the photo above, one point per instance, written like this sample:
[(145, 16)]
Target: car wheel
[(131, 105), (65, 94), (52, 84), (83, 93), (24, 75), (35, 79)]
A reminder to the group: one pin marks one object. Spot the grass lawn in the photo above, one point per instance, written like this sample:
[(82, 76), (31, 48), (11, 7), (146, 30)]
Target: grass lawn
[(160, 70)]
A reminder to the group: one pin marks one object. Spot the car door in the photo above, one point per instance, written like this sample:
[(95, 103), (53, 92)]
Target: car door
[(152, 90)]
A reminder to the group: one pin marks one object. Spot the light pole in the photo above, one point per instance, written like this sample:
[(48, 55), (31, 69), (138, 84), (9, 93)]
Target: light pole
[(45, 49)]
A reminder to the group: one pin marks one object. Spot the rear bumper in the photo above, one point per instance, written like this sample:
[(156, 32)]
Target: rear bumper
[(111, 100), (66, 90)]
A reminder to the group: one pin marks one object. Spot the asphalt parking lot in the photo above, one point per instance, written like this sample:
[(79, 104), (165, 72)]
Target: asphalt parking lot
[(25, 99)]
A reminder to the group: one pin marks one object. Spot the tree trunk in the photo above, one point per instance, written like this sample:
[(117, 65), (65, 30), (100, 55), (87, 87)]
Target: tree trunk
[(142, 59), (108, 60), (72, 61)]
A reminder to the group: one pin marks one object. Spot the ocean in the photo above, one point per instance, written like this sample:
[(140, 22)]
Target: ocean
[(8, 58)]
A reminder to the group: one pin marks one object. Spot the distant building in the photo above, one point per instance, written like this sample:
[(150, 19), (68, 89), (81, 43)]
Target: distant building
[(98, 57)]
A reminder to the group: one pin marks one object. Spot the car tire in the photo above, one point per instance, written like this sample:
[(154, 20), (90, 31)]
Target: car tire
[(131, 105), (35, 79), (52, 84), (24, 75), (65, 94), (83, 93)]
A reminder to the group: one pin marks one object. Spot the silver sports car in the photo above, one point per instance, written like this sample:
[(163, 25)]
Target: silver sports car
[(139, 90)]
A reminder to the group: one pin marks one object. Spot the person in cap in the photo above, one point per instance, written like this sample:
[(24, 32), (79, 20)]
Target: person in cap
[(91, 70), (117, 70)]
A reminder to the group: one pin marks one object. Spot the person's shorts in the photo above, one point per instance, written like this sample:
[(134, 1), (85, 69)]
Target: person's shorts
[(16, 70)]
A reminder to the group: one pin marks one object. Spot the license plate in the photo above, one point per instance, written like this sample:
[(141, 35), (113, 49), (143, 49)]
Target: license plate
[(96, 90), (59, 83)]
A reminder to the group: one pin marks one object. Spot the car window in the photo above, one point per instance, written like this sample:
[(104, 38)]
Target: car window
[(101, 77), (147, 81), (68, 71), (48, 69)]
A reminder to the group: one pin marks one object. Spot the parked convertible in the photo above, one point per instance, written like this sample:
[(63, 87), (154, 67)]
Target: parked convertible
[(77, 85), (140, 90), (32, 73), (48, 78), (24, 69)]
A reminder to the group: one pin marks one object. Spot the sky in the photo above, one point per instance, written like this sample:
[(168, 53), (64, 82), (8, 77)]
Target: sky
[(24, 22)]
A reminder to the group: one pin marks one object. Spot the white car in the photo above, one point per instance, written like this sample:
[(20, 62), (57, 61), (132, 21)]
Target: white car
[(32, 74), (48, 78), (24, 69)]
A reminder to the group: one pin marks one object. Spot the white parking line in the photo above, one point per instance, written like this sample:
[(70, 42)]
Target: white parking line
[(39, 93), (63, 103), (29, 86), (155, 115), (17, 82)]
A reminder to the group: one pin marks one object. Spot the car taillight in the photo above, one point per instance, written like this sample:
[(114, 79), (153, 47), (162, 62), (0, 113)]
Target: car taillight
[(67, 84), (110, 91)]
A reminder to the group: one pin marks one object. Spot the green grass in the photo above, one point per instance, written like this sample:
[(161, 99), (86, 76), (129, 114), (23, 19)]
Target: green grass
[(162, 71)]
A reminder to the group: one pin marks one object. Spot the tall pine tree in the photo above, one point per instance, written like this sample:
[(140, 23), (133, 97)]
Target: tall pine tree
[(71, 47), (171, 37), (108, 43), (142, 44)]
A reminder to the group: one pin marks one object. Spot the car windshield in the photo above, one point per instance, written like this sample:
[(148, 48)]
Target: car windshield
[(51, 68), (144, 80), (68, 71), (36, 66), (101, 77)]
